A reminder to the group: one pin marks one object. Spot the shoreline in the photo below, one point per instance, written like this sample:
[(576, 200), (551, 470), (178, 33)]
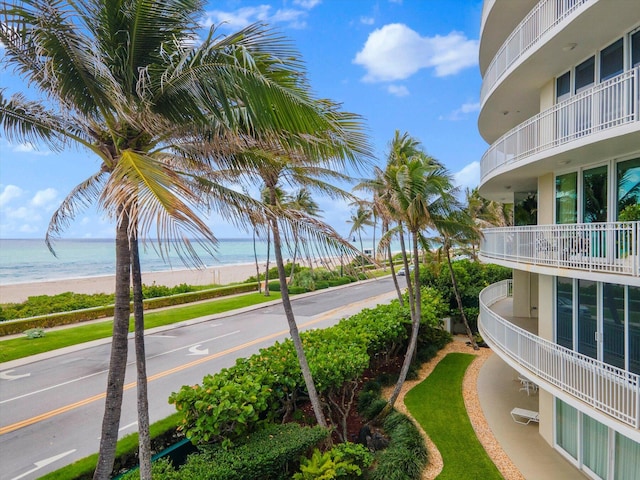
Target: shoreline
[(219, 275)]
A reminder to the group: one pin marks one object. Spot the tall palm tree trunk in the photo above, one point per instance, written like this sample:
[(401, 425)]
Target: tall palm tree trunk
[(407, 275), (118, 360), (454, 283), (266, 268), (255, 257), (144, 436), (415, 327), (385, 228), (293, 326)]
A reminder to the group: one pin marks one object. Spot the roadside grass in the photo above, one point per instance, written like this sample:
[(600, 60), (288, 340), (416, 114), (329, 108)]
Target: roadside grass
[(438, 406), (16, 348), (128, 444)]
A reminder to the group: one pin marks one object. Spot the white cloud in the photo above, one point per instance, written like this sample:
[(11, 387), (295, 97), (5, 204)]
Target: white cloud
[(461, 113), (308, 4), (367, 20), (398, 90), (9, 193), (29, 148), (395, 52), (44, 198), (468, 177), (242, 17)]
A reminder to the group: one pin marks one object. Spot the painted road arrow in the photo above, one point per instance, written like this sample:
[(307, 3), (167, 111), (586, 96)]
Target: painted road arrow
[(196, 351), (44, 463), (5, 375)]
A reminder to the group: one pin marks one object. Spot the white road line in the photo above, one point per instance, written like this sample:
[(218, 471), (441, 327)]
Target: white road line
[(35, 392), (43, 463)]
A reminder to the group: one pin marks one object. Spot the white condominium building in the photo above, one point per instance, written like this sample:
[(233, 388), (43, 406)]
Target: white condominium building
[(560, 110)]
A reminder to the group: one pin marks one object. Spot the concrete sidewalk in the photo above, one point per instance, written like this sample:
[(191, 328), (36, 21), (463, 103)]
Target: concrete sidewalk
[(499, 392)]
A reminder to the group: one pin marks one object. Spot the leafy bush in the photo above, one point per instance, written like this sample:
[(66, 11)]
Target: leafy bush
[(34, 333), (345, 460), (270, 453)]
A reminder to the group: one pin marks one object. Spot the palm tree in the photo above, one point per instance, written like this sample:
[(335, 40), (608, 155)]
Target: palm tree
[(421, 190), (358, 221), (125, 80), (301, 201), (458, 227)]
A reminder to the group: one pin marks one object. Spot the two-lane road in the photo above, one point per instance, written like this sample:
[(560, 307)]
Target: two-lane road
[(51, 409)]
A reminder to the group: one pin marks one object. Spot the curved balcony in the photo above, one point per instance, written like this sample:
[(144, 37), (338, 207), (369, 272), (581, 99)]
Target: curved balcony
[(604, 248), (563, 372), (544, 16), (582, 118)]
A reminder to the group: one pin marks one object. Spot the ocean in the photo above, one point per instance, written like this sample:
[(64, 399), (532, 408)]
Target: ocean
[(24, 261), (31, 261)]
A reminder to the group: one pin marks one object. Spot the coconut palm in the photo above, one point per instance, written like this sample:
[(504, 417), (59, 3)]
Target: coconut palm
[(359, 220), (131, 82), (275, 166), (420, 192), (302, 201)]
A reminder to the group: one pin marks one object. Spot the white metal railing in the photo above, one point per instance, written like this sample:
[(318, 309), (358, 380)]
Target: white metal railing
[(604, 387), (609, 104), (544, 16), (596, 247)]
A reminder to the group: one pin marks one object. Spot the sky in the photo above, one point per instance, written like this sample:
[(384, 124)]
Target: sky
[(406, 65)]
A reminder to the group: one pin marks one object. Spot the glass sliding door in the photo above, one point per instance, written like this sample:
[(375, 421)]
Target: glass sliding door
[(628, 186), (564, 312), (595, 446), (594, 210), (567, 428), (567, 198), (627, 458), (613, 331), (587, 318), (584, 78), (633, 312)]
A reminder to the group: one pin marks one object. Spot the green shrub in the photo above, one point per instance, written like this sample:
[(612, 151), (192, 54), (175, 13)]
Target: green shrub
[(34, 333), (271, 453), (345, 460)]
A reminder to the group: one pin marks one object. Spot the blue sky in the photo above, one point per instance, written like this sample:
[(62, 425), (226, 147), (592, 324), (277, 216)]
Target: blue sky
[(407, 65)]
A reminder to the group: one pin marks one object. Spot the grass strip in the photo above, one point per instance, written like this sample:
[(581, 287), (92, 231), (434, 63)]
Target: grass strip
[(437, 404), (15, 348), (84, 467)]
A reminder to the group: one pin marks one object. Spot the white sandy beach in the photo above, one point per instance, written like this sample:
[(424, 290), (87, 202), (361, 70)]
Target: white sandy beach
[(221, 275)]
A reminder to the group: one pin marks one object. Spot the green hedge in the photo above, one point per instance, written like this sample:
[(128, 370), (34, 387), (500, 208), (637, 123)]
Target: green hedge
[(10, 327), (272, 453)]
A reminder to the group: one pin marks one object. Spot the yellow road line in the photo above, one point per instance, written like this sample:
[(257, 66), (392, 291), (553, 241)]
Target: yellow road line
[(128, 386)]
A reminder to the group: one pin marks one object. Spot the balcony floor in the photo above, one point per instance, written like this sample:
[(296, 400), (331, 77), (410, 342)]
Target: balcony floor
[(499, 392)]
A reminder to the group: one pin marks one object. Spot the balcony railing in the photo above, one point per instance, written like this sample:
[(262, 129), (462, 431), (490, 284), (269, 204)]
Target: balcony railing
[(595, 247), (544, 16), (606, 388), (609, 104)]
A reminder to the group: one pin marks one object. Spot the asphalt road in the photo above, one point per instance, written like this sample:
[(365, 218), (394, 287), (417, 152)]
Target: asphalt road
[(51, 406)]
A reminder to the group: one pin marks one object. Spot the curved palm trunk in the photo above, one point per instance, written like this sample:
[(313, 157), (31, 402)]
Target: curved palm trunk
[(293, 326), (415, 327), (405, 263), (458, 298), (266, 268), (385, 228), (255, 257), (144, 436), (118, 359)]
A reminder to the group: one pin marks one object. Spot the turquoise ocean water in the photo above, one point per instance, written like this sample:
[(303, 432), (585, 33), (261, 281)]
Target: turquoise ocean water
[(31, 261)]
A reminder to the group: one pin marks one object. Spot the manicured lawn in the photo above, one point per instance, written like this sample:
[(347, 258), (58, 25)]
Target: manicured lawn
[(15, 348), (437, 405)]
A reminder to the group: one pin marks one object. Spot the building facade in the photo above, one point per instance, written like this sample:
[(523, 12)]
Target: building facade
[(560, 110)]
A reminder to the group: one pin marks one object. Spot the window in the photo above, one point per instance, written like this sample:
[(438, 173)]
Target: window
[(567, 428), (563, 87), (564, 312), (611, 61), (635, 49), (566, 198), (613, 324), (587, 318), (594, 197), (585, 74), (634, 329), (628, 184)]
